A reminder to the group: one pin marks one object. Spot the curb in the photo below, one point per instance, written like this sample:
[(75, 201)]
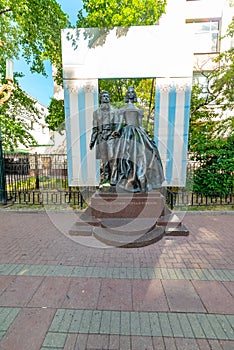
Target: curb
[(187, 212)]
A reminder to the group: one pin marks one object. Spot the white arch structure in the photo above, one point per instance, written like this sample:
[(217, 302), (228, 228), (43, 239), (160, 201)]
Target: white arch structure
[(162, 51)]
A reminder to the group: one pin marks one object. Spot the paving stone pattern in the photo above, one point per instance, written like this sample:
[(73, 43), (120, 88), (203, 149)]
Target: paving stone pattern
[(58, 294), (7, 316), (118, 272)]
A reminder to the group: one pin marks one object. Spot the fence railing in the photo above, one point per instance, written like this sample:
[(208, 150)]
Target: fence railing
[(42, 179), (35, 171), (50, 198), (192, 199), (71, 197)]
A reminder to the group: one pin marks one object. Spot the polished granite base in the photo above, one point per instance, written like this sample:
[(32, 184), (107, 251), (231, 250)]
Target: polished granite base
[(128, 219)]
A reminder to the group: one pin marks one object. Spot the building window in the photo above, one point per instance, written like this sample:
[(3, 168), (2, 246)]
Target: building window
[(206, 35)]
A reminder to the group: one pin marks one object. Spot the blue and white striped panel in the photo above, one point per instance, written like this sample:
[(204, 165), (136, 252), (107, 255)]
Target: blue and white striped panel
[(172, 112), (81, 99)]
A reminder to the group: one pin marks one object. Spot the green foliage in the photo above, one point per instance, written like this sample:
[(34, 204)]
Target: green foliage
[(224, 75), (15, 117), (146, 97), (145, 90), (212, 128), (112, 13), (203, 122), (211, 136), (211, 142), (32, 29), (55, 118), (117, 88), (215, 174)]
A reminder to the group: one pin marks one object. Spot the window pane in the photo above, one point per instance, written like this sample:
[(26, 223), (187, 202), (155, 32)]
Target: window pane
[(205, 36), (214, 47), (215, 26), (205, 27)]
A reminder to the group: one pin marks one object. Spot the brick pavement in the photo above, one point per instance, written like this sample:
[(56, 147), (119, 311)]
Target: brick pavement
[(59, 294)]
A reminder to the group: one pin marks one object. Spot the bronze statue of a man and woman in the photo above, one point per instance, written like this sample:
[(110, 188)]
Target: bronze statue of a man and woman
[(130, 158)]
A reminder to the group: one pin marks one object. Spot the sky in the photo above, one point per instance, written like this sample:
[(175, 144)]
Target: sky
[(37, 85)]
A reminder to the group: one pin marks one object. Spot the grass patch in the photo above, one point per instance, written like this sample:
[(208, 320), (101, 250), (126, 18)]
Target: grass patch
[(205, 208), (41, 207)]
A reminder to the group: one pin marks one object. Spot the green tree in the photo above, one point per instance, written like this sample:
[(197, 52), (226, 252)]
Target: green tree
[(16, 116), (145, 90), (211, 144), (112, 13), (212, 126), (215, 174), (223, 77), (30, 30), (55, 119), (117, 88)]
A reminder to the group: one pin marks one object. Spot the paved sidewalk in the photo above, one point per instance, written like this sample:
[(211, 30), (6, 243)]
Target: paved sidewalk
[(55, 293)]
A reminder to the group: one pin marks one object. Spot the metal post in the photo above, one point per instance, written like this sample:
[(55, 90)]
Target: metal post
[(3, 195), (37, 172), (5, 93)]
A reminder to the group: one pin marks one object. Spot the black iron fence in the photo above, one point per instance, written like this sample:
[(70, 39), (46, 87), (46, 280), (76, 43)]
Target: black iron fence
[(41, 179), (35, 171), (186, 199), (48, 198)]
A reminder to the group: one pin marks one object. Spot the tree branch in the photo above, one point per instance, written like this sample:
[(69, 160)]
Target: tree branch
[(4, 11)]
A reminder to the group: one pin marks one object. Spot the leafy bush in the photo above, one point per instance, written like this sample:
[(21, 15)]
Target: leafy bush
[(216, 173)]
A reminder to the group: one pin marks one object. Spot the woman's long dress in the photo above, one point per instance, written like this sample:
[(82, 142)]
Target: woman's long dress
[(137, 163)]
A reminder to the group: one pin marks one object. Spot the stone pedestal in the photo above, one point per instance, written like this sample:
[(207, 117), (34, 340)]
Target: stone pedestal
[(127, 205), (128, 219)]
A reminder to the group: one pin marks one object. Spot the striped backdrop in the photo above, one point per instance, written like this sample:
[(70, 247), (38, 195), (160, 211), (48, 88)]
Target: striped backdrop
[(81, 99), (172, 101), (172, 112)]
